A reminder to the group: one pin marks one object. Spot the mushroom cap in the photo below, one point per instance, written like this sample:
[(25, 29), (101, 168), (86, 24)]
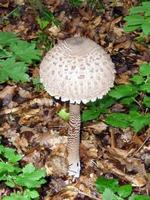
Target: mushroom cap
[(77, 70)]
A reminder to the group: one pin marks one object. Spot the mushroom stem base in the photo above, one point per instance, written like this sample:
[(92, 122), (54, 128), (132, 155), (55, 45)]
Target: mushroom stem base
[(74, 141)]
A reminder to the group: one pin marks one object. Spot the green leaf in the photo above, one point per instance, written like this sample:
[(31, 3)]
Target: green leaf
[(63, 114), (37, 84), (31, 193), (25, 51), (103, 183), (28, 169), (90, 114), (11, 155), (6, 38), (48, 16), (17, 196), (119, 120), (138, 120), (146, 5), (75, 2), (4, 53), (10, 181), (145, 69), (6, 167), (137, 79), (146, 28), (108, 194), (146, 101), (128, 100), (122, 91), (1, 148), (124, 191), (145, 87), (134, 20), (42, 23), (31, 177), (94, 109), (13, 70), (137, 9), (129, 28)]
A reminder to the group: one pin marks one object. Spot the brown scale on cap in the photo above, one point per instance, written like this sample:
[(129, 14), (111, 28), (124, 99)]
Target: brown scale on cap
[(77, 70)]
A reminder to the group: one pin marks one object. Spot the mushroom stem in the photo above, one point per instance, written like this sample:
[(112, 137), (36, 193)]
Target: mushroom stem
[(74, 141)]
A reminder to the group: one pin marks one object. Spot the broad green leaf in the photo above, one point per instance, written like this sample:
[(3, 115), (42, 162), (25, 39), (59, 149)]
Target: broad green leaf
[(13, 70), (145, 87), (31, 177), (137, 9), (11, 155), (146, 5), (31, 193), (10, 181), (94, 109), (145, 69), (28, 169), (6, 38), (63, 114), (108, 194), (4, 53), (25, 51), (124, 191), (103, 183), (134, 20), (6, 167), (129, 28), (138, 120), (29, 181), (122, 91), (128, 100), (119, 120), (146, 28), (90, 114), (137, 79), (17, 196), (146, 101)]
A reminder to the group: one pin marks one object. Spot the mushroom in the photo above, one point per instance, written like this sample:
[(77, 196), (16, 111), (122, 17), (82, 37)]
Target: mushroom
[(77, 70)]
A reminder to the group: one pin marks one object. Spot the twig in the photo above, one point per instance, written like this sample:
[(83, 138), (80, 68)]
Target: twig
[(148, 137)]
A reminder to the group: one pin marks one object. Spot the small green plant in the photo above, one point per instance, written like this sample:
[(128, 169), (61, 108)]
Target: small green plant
[(112, 190), (63, 114), (134, 96), (26, 179), (37, 84), (76, 3), (139, 18), (15, 57), (94, 109), (43, 40), (46, 17)]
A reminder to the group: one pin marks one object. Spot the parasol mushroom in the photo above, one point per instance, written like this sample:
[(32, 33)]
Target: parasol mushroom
[(76, 70)]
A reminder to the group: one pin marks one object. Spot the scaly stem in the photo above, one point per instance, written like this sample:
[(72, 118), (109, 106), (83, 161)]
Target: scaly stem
[(74, 141)]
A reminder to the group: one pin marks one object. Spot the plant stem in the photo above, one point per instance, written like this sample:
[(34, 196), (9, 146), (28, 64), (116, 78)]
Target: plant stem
[(74, 141)]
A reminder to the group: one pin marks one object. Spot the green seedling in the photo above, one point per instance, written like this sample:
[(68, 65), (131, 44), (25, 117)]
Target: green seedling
[(15, 57), (139, 18), (112, 190), (27, 179)]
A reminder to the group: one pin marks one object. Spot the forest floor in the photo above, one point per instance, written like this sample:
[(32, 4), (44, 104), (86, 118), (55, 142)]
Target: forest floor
[(29, 120)]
